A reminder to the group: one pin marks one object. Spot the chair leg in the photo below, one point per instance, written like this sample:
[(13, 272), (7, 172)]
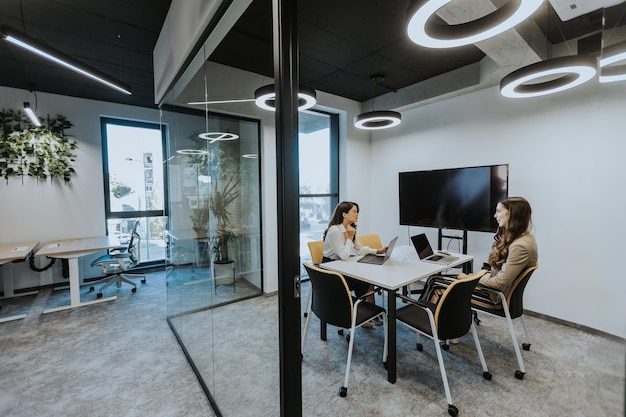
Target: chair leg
[(525, 346), (386, 331), (442, 368), (344, 390), (486, 374), (307, 309), (519, 374), (306, 327)]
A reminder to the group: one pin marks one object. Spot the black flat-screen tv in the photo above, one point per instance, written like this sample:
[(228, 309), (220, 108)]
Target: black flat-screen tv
[(457, 198)]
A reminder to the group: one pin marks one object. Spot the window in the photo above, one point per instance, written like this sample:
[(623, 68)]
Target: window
[(319, 178), (134, 183)]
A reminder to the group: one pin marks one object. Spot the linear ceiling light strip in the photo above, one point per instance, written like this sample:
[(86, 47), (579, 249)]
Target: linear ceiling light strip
[(32, 45)]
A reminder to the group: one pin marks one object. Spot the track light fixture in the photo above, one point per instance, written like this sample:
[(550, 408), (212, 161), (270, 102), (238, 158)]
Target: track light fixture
[(31, 114), (561, 74), (39, 48), (426, 33)]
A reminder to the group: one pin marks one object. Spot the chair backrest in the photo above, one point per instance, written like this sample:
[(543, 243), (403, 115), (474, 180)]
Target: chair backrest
[(133, 246), (316, 248), (372, 240), (515, 296), (331, 300), (453, 314)]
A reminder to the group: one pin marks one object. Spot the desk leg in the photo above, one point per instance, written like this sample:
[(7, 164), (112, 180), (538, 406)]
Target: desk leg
[(391, 337), (75, 290), (7, 279), (8, 284)]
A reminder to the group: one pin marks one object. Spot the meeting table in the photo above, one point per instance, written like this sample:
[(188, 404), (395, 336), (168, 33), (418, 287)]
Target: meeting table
[(72, 249), (402, 269)]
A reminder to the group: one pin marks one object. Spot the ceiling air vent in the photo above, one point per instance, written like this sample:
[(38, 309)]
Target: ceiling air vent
[(569, 9)]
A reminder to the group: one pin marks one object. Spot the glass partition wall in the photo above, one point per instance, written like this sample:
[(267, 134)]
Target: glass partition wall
[(215, 270)]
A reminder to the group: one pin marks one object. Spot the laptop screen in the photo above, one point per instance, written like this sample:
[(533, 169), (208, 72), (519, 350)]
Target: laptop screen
[(422, 246)]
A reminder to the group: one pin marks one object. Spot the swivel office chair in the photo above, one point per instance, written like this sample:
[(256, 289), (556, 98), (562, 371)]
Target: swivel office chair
[(116, 264)]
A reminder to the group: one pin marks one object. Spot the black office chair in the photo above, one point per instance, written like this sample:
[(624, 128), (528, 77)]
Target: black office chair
[(450, 317), (116, 264), (511, 306), (332, 303)]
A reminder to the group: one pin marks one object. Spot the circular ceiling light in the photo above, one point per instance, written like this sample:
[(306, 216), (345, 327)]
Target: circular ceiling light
[(433, 35), (191, 152), (376, 120), (218, 136), (612, 55), (265, 98), (561, 74)]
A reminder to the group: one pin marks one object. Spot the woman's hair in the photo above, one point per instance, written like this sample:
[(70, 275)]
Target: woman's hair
[(519, 224), (337, 217)]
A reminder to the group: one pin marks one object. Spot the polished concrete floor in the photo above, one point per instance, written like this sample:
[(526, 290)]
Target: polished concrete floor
[(121, 359)]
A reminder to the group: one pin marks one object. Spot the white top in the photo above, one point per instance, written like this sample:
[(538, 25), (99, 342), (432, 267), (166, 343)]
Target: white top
[(338, 246)]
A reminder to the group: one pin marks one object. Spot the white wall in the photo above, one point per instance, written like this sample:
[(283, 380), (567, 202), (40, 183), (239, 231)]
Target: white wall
[(43, 211), (565, 155)]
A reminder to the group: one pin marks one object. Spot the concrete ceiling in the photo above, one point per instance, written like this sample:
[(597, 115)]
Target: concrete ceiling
[(343, 44)]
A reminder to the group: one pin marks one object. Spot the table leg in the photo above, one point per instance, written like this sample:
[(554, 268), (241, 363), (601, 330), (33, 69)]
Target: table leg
[(391, 337), (7, 279), (75, 290)]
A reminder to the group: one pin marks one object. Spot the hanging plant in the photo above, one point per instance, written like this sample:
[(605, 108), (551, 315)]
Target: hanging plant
[(40, 152)]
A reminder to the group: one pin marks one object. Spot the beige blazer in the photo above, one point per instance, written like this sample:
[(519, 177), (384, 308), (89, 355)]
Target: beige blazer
[(522, 254)]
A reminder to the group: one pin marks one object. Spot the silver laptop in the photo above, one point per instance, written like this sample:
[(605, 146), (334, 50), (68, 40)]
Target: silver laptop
[(379, 259), (426, 254)]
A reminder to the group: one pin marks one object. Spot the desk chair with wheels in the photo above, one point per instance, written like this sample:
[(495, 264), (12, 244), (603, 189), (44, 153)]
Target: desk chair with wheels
[(332, 303), (511, 306), (450, 317), (116, 264)]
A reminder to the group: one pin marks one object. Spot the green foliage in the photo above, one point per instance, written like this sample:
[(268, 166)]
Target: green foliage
[(121, 190), (39, 152)]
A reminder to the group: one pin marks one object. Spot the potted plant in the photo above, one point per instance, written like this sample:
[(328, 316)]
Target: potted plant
[(219, 204), (200, 218)]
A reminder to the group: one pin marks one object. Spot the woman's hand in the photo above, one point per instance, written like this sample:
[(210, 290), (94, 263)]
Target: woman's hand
[(350, 231), (382, 250)]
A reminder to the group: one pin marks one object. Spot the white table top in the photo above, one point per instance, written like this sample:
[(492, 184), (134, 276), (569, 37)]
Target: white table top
[(13, 251), (69, 247), (403, 268)]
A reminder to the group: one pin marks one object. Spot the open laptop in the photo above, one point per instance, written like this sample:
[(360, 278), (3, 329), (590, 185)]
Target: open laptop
[(379, 259), (426, 254)]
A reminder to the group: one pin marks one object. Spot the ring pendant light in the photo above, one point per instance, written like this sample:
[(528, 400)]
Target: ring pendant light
[(426, 33), (377, 119), (562, 73), (265, 98), (218, 136), (614, 54)]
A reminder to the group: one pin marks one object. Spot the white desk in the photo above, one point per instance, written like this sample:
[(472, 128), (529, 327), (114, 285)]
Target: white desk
[(8, 253), (72, 249), (403, 268)]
